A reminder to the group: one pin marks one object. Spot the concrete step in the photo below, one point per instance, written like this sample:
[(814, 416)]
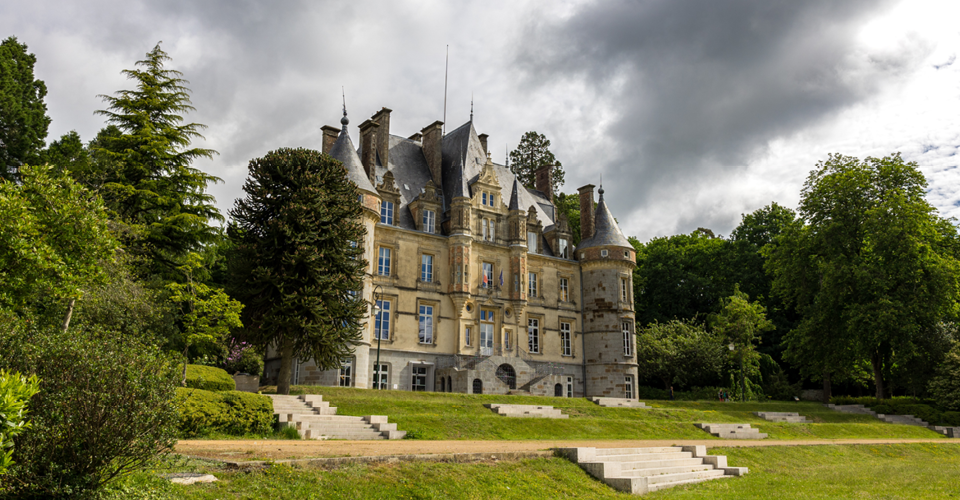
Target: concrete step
[(525, 411), (776, 416), (640, 470), (732, 431), (619, 403)]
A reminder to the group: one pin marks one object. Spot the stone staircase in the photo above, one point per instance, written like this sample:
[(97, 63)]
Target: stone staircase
[(314, 418), (950, 432), (780, 416), (641, 470), (619, 403), (528, 411), (732, 431)]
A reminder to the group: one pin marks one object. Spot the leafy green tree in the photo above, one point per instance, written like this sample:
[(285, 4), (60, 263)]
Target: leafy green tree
[(945, 387), (678, 352), (23, 115), (153, 184), (870, 266), (740, 323), (532, 153), (70, 155), (15, 391), (207, 314), (682, 276), (569, 205), (297, 260), (54, 241)]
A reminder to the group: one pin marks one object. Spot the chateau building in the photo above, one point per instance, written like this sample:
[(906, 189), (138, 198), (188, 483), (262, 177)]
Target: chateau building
[(476, 283)]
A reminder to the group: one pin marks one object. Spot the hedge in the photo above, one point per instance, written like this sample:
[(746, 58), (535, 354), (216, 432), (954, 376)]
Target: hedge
[(229, 412), (209, 378)]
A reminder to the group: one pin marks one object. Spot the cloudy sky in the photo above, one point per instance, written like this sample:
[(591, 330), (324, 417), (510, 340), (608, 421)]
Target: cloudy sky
[(693, 112)]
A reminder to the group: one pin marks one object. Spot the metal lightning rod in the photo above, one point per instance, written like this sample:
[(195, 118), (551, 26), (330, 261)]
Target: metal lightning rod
[(446, 70)]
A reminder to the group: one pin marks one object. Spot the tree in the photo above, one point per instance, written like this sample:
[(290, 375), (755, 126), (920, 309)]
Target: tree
[(569, 205), (69, 154), (298, 259), (153, 184), (532, 153), (740, 322), (53, 243), (23, 115), (870, 266), (15, 391), (945, 387), (678, 352)]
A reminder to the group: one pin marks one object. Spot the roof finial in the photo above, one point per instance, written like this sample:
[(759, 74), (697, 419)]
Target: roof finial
[(471, 107), (506, 155), (601, 187), (344, 121)]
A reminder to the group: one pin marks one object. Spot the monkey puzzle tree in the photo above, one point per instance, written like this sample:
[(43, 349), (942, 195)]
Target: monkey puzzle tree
[(298, 259)]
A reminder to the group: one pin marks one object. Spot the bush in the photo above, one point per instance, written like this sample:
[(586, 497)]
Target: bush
[(15, 391), (230, 412), (103, 411), (243, 358), (945, 387), (209, 378)]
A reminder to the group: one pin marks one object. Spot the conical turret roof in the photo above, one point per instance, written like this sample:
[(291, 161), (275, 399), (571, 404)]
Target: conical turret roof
[(606, 230), (515, 196), (344, 151)]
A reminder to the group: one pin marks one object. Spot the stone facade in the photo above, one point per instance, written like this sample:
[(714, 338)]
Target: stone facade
[(476, 278)]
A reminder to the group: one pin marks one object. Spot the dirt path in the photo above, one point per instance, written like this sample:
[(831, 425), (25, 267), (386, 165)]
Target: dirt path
[(240, 450)]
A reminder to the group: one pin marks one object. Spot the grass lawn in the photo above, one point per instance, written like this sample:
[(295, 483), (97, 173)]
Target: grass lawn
[(434, 415), (923, 471)]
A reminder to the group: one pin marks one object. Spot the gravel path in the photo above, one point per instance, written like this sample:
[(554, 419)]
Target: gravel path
[(240, 450)]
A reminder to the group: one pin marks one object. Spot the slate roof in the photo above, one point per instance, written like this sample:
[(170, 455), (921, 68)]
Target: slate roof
[(344, 151), (606, 230)]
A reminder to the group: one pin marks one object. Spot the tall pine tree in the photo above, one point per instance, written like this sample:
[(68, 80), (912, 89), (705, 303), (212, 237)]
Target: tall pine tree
[(23, 115), (532, 153), (152, 183), (299, 258)]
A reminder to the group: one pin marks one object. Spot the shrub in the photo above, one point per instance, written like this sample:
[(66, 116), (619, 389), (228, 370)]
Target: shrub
[(15, 391), (945, 387), (229, 412), (209, 378), (103, 410), (243, 358)]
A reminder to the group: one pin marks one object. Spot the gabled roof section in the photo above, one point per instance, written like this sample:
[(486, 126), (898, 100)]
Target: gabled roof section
[(344, 151), (606, 230)]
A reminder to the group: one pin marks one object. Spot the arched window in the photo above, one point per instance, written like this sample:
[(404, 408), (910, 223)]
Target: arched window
[(477, 386), (507, 375), (558, 390), (443, 387), (449, 384)]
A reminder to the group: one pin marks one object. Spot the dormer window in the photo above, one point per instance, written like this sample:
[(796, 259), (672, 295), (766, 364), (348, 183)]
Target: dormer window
[(429, 221), (386, 213), (563, 249), (531, 242), (486, 198)]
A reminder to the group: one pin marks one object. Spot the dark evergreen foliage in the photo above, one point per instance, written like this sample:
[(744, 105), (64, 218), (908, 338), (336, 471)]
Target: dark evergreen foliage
[(532, 153), (151, 182), (23, 115), (298, 258)]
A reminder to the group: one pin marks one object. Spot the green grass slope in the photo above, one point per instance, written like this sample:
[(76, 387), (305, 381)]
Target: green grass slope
[(433, 415)]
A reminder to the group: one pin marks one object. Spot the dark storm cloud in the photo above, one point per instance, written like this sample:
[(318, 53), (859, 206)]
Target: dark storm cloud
[(697, 88)]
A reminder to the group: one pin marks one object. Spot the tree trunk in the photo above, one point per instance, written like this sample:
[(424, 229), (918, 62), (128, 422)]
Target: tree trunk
[(877, 361), (286, 367), (183, 382), (66, 320), (827, 389)]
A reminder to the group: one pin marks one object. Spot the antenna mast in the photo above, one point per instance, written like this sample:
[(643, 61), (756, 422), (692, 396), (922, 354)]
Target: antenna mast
[(446, 69)]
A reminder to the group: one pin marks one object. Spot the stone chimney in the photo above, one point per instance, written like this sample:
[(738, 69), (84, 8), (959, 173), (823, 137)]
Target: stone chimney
[(330, 135), (586, 212), (368, 149), (483, 142), (417, 137), (382, 118), (432, 134), (543, 181)]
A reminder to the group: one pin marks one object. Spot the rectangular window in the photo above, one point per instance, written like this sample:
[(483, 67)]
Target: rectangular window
[(627, 339), (419, 382), (490, 199), (383, 264), (623, 290), (531, 242), (466, 336), (386, 213), (429, 221), (532, 285), (564, 251), (533, 335), (565, 345), (426, 268), (486, 331), (490, 234), (381, 326), (628, 387), (346, 373), (484, 197), (569, 387), (380, 376), (426, 324), (564, 290), (506, 340), (360, 198), (483, 225), (486, 280)]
